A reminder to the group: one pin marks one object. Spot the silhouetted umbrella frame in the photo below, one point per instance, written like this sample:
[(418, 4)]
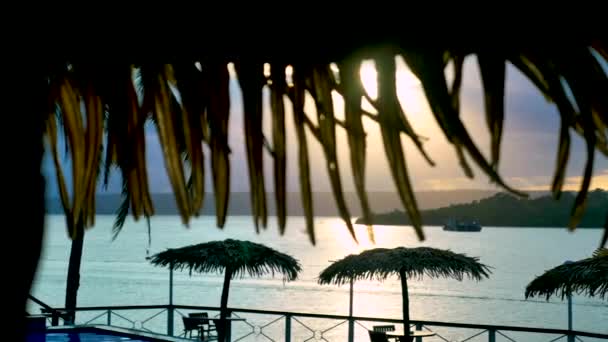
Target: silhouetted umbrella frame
[(235, 258), (379, 263), (587, 276)]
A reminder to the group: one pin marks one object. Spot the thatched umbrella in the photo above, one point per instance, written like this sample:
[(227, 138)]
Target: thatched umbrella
[(235, 258), (379, 263), (588, 276)]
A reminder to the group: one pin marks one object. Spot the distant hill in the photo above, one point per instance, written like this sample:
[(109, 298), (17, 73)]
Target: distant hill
[(505, 210), (164, 203)]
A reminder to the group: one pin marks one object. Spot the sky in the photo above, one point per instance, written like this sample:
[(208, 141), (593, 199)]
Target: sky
[(528, 152)]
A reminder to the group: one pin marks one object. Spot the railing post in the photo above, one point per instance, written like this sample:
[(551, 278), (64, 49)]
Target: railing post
[(418, 327), (287, 328), (170, 320), (351, 329), (228, 327), (491, 335), (109, 317), (54, 318), (69, 318)]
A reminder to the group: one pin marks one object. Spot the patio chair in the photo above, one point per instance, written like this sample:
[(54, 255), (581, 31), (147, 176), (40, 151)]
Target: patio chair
[(191, 324), (377, 336), (205, 325)]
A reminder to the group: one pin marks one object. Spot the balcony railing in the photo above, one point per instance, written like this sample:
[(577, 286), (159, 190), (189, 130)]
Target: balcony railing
[(263, 325)]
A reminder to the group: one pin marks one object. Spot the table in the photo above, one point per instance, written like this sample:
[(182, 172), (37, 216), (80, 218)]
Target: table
[(229, 320), (55, 315), (415, 333)]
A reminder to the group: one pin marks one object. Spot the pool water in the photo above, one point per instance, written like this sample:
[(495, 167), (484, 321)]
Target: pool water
[(96, 333), (80, 337)]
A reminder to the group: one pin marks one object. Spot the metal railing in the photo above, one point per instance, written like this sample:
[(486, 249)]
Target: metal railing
[(54, 315), (264, 325)]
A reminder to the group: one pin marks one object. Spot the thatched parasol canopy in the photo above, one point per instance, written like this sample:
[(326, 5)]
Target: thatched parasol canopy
[(587, 276), (380, 263), (238, 256), (235, 258)]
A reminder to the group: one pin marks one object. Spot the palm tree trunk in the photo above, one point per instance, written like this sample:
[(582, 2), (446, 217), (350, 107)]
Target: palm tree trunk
[(406, 302), (221, 330), (73, 279)]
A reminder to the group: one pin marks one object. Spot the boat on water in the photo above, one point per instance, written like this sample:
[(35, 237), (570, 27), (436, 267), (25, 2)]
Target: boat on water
[(462, 226)]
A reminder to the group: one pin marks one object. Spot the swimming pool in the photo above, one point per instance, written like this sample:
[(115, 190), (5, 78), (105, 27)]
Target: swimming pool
[(97, 333)]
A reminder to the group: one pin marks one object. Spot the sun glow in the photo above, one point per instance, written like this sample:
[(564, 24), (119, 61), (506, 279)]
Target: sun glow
[(405, 79), (346, 239), (409, 93), (369, 78)]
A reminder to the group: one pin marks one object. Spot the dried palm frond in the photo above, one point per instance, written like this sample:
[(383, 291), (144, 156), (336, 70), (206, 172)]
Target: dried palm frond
[(278, 89), (297, 100), (252, 81), (217, 115), (352, 91), (320, 88), (122, 212), (190, 84), (572, 78)]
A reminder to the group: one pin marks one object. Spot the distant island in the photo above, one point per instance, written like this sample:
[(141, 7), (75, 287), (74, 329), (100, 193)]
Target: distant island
[(505, 210)]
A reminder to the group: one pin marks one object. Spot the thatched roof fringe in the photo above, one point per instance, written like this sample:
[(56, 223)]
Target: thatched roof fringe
[(380, 263), (188, 101), (240, 257), (588, 276)]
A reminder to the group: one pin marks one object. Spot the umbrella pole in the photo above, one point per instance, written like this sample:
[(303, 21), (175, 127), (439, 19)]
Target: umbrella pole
[(171, 285), (406, 304), (351, 322), (350, 308), (170, 311), (569, 311), (221, 330), (569, 292)]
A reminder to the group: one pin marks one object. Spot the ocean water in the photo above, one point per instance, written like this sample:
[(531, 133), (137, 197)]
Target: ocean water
[(117, 273)]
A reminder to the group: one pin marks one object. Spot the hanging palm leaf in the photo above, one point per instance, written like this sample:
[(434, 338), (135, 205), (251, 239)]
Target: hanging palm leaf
[(202, 113)]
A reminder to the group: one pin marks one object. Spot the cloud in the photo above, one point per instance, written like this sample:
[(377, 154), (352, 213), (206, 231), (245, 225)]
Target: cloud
[(455, 183), (572, 183)]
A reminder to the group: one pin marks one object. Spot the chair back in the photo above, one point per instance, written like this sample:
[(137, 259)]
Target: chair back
[(190, 323), (199, 315), (377, 336), (384, 328)]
